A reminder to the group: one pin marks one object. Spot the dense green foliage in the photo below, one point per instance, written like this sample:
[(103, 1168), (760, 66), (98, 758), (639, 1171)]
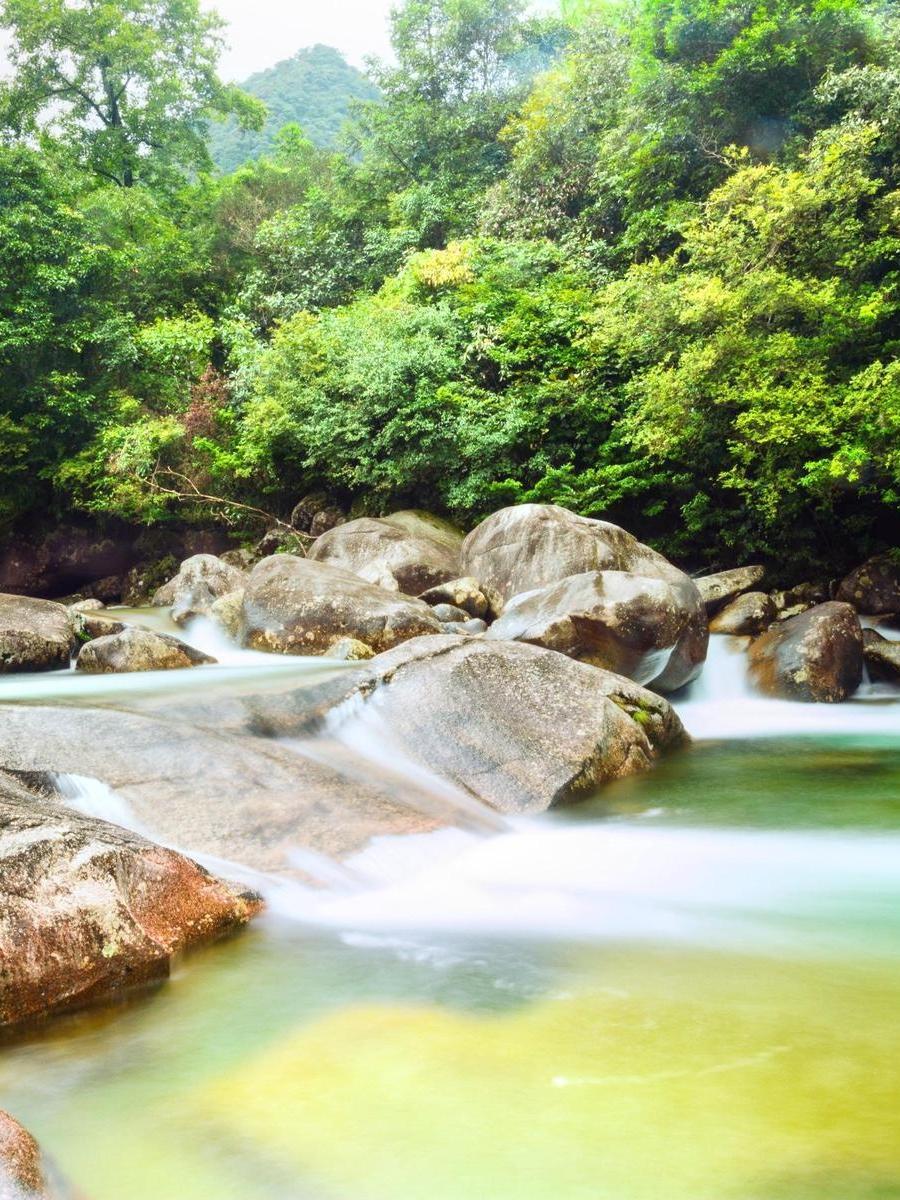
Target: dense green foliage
[(646, 264), (315, 90)]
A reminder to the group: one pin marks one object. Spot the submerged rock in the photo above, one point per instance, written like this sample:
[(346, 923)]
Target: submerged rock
[(88, 910), (882, 656), (300, 606), (748, 614), (874, 588), (403, 553), (516, 726), (816, 656), (23, 1174), (200, 581), (138, 650), (35, 635), (716, 590), (647, 629)]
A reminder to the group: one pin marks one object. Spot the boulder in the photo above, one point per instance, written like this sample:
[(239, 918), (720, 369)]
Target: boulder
[(35, 635), (87, 606), (94, 625), (748, 614), (882, 656), (516, 726), (200, 581), (461, 593), (532, 546), (651, 630), (716, 590), (23, 1173), (280, 540), (325, 519), (874, 588), (405, 557), (137, 649), (473, 626), (302, 606), (89, 910), (243, 558), (228, 613), (350, 650), (816, 656), (315, 514), (799, 598)]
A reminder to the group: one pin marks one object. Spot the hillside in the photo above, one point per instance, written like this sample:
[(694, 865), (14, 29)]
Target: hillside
[(314, 88)]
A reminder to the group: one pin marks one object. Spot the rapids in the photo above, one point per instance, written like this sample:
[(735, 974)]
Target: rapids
[(683, 989)]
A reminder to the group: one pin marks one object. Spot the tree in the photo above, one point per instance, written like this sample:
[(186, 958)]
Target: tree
[(127, 86)]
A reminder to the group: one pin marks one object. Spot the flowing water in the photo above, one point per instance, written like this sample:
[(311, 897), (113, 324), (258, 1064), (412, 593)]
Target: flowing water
[(686, 988)]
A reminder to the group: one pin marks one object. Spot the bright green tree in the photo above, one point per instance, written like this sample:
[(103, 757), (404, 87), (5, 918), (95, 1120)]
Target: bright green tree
[(126, 86)]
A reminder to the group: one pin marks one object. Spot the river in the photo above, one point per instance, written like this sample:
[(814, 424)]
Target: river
[(685, 988)]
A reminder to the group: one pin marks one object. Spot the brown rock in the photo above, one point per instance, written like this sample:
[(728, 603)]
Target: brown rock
[(463, 593), (882, 656), (408, 557), (88, 910), (748, 614), (200, 581), (22, 1175), (137, 649), (325, 519), (717, 590), (647, 629), (301, 606), (816, 656), (874, 588), (35, 635)]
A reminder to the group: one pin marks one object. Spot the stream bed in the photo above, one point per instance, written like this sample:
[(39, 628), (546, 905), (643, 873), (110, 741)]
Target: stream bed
[(686, 988)]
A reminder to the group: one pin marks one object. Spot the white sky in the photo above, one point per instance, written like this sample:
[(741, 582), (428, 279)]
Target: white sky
[(263, 32)]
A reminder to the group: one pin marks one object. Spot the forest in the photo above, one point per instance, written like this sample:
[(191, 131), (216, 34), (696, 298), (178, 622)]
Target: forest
[(641, 259)]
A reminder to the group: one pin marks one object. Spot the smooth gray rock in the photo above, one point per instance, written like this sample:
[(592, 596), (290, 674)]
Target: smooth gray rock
[(406, 552), (137, 649), (200, 581)]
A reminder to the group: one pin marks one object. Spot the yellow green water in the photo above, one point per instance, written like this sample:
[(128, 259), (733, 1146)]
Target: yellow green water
[(304, 1065)]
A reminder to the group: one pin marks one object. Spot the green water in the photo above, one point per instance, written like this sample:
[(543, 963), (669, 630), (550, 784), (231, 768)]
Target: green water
[(298, 1064)]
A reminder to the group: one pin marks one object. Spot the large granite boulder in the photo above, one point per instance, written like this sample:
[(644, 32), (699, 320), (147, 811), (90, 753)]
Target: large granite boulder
[(746, 615), (815, 656), (716, 590), (882, 656), (647, 629), (874, 588), (88, 910), (200, 581), (406, 552), (515, 726), (302, 606), (135, 649), (35, 635)]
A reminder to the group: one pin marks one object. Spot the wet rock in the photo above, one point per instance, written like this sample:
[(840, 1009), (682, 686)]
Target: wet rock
[(882, 656), (816, 656), (302, 606), (518, 727), (785, 614), (200, 581), (648, 629), (463, 593), (717, 590), (448, 613), (409, 555), (88, 910), (23, 1174), (94, 625), (748, 614), (228, 613), (350, 650), (35, 635), (874, 588), (137, 649), (799, 598)]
